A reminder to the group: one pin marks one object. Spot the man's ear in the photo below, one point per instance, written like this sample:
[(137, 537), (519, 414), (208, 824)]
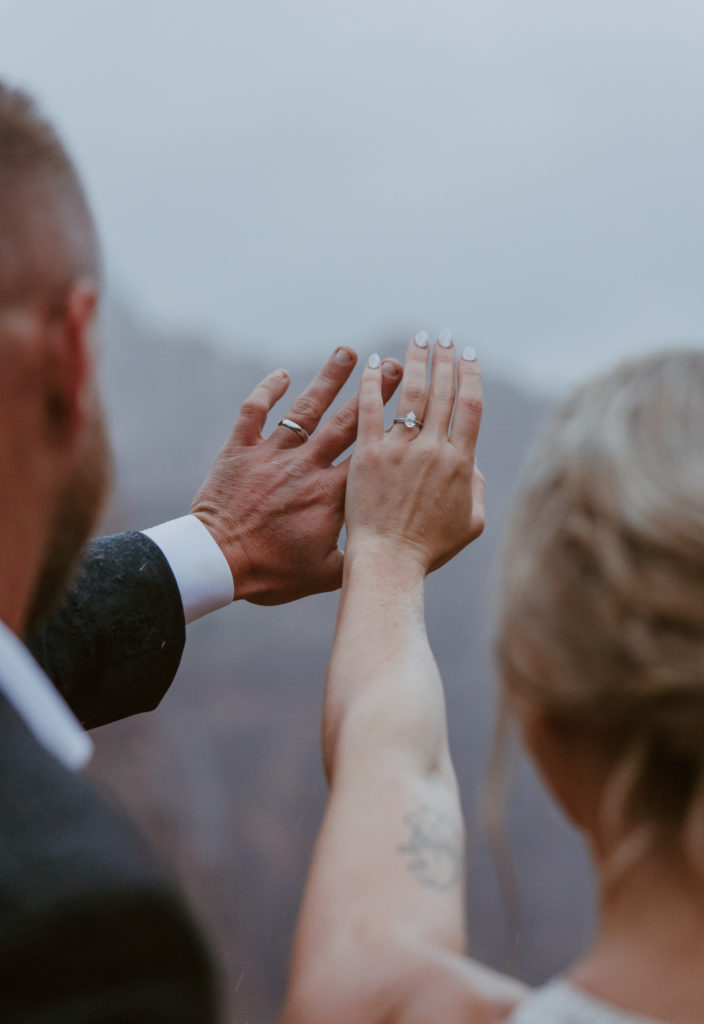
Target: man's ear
[(71, 360)]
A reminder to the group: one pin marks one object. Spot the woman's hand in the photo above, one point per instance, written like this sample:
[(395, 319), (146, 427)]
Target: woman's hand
[(382, 923), (415, 494)]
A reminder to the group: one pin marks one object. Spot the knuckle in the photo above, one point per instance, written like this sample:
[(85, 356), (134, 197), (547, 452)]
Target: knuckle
[(415, 392), (306, 406), (368, 402), (367, 457), (331, 487), (461, 469), (443, 391), (253, 408), (345, 419), (474, 404), (427, 456), (329, 376)]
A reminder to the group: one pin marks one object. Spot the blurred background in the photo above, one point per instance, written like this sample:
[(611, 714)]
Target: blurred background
[(273, 179)]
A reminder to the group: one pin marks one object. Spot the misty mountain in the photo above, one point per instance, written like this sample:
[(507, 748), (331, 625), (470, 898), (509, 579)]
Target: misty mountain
[(225, 778)]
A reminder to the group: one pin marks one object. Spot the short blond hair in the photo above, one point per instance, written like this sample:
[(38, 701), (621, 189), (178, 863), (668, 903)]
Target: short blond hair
[(601, 585)]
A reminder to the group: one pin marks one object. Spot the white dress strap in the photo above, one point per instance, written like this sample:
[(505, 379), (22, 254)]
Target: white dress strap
[(560, 1002)]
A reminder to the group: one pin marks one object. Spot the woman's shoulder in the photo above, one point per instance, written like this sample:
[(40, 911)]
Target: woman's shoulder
[(560, 1001), (457, 990)]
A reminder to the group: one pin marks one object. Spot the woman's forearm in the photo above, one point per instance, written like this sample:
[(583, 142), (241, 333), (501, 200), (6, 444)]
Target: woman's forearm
[(387, 879), (383, 911), (384, 698)]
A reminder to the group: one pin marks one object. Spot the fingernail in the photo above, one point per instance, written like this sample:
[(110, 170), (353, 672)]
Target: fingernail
[(445, 338), (343, 356), (421, 339), (374, 362), (469, 353), (281, 373), (389, 370)]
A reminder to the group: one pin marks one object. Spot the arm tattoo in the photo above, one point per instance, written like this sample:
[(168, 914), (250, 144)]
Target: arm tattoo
[(433, 850)]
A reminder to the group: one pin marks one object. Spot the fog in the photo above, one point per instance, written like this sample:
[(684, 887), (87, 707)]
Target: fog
[(288, 176)]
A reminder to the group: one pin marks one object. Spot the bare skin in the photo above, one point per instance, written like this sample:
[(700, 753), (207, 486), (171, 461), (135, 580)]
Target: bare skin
[(381, 935), (275, 505), (47, 410), (646, 957)]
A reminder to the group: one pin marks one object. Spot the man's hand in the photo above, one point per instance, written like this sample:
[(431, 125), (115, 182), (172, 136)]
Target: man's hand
[(275, 505)]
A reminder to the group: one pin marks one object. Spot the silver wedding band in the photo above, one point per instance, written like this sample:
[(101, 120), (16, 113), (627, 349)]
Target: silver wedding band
[(295, 427)]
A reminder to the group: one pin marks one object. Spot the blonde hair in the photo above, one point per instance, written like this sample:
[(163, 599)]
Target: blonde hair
[(600, 605)]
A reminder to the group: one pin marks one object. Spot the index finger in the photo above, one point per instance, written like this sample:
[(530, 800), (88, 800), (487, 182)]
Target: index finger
[(340, 431), (469, 405), (250, 422)]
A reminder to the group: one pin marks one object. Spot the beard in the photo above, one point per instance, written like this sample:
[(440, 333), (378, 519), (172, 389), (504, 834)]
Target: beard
[(78, 509)]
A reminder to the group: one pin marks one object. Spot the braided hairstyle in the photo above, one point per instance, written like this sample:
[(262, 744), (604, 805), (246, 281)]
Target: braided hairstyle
[(601, 590)]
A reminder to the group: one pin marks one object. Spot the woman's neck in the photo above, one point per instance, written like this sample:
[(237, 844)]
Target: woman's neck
[(649, 949)]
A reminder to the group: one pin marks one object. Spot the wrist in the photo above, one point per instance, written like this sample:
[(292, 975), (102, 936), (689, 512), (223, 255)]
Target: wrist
[(222, 536), (198, 563), (389, 562)]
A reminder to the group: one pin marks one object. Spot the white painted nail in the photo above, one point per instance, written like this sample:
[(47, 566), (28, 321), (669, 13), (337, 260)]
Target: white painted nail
[(469, 353), (445, 338), (421, 339), (374, 361)]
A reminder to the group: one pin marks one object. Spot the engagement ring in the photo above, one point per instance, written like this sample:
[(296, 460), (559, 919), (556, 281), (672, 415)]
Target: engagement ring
[(409, 420)]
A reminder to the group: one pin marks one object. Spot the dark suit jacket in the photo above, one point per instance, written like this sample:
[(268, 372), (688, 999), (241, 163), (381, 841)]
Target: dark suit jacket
[(91, 932), (113, 646)]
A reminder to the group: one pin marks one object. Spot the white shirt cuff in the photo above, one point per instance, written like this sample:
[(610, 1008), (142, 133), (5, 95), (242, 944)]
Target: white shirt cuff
[(201, 569)]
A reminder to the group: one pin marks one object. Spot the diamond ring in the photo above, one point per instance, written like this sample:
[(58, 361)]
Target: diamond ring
[(409, 420)]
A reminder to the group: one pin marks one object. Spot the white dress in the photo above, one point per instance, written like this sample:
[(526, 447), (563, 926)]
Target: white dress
[(562, 1003)]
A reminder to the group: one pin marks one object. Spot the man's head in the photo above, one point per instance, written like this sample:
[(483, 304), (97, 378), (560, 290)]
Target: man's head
[(48, 240), (53, 451)]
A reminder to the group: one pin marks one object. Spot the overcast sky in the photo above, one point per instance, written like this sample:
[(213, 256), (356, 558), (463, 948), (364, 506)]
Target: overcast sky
[(292, 175)]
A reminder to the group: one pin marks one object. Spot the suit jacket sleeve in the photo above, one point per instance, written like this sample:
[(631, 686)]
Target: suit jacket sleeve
[(113, 646)]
